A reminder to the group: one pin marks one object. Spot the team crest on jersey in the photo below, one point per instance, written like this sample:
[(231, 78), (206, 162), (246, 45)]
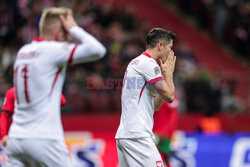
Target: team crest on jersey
[(157, 70), (159, 164)]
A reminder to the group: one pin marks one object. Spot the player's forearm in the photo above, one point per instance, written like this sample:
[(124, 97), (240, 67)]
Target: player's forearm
[(157, 102), (169, 88), (4, 117), (88, 43)]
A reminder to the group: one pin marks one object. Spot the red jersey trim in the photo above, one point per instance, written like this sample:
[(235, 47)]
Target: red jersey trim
[(146, 54), (71, 55), (155, 80), (37, 39), (142, 91), (54, 82)]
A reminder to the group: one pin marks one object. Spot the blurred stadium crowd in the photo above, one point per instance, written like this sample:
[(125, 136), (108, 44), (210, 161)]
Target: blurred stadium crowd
[(227, 20), (124, 34)]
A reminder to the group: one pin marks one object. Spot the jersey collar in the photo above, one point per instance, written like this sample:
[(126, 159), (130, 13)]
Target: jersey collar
[(37, 39), (146, 54)]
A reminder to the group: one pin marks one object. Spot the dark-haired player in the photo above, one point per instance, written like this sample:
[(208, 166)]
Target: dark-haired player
[(142, 94)]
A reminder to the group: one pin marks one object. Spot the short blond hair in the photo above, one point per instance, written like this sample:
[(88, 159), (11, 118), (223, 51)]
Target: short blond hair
[(50, 16)]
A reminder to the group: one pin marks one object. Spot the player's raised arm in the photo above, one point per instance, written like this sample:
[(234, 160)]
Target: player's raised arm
[(55, 26), (166, 86), (90, 48)]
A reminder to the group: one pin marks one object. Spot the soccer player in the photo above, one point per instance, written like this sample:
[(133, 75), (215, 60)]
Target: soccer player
[(8, 111), (142, 94), (36, 134)]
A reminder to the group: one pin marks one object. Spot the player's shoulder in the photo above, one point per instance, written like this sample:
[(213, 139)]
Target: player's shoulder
[(145, 61), (51, 44), (46, 46), (23, 48)]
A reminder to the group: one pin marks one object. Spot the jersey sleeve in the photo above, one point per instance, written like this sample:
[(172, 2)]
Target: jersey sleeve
[(151, 71), (87, 49), (9, 101)]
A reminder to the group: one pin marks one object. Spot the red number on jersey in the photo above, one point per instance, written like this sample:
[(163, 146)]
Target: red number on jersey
[(15, 83), (25, 77)]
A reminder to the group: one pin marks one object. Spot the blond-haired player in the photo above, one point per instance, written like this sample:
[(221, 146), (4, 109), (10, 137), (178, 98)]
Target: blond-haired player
[(36, 134)]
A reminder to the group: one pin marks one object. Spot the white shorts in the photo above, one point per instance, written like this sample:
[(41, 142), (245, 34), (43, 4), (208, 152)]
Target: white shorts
[(140, 152), (37, 153)]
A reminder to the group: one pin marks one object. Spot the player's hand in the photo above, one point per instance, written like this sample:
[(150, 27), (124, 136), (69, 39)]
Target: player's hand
[(4, 140), (167, 67), (68, 21)]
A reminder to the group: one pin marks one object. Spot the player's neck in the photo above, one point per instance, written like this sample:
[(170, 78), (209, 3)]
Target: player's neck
[(153, 54), (47, 37)]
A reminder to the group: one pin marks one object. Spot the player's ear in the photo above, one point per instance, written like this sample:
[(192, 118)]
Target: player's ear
[(159, 45)]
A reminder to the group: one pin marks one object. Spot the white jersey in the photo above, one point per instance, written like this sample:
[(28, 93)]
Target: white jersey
[(138, 98), (39, 73)]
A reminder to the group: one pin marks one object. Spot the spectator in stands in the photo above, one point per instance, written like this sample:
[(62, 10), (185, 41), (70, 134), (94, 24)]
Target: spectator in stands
[(221, 17), (227, 19), (229, 102), (209, 123)]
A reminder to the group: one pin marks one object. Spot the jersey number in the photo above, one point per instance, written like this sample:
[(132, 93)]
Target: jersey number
[(24, 72)]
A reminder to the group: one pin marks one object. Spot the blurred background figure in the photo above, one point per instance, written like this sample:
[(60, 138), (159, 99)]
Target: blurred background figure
[(210, 124), (165, 124)]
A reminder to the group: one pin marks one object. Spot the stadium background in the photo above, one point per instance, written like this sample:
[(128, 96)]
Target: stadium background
[(212, 74)]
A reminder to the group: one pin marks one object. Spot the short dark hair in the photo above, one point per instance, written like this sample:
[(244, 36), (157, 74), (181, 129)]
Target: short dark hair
[(156, 35)]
